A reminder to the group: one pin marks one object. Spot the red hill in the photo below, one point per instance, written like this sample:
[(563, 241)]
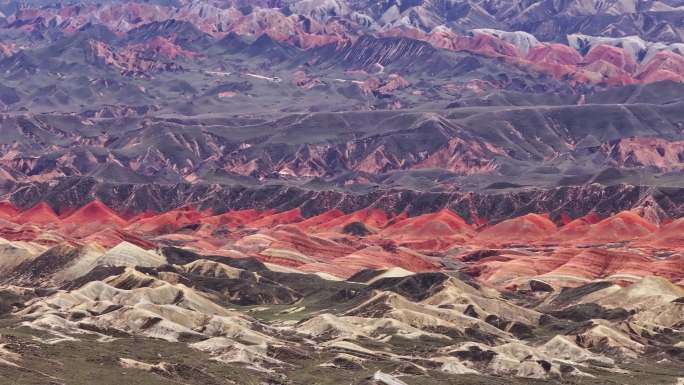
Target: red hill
[(371, 217), (594, 264), (441, 223), (430, 231), (287, 217), (669, 236), (613, 55), (167, 222), (374, 257), (623, 226), (7, 210), (524, 229), (95, 212), (320, 219), (236, 218), (558, 54), (663, 66), (40, 214)]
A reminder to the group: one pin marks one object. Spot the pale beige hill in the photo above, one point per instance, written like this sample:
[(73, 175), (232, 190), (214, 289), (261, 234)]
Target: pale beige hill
[(289, 255), (162, 367), (343, 360), (32, 247), (167, 322), (163, 311), (564, 348), (62, 263), (281, 268), (8, 357), (176, 323), (647, 293), (228, 351), (82, 259), (452, 365), (393, 272), (19, 290), (329, 326), (57, 328), (292, 270), (569, 296), (13, 253), (352, 348), (557, 358), (423, 324), (484, 302), (5, 358), (669, 315), (511, 360), (132, 279), (212, 269), (616, 338), (386, 379), (82, 263), (96, 297), (423, 316), (128, 254), (328, 277)]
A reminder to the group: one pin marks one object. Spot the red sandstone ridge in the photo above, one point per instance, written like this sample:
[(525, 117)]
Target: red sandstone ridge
[(594, 264), (287, 217), (621, 227), (8, 210), (430, 231), (167, 222), (374, 257), (319, 219), (663, 66), (604, 72), (111, 237), (671, 268), (294, 239), (574, 228), (554, 53), (487, 45), (556, 59), (234, 219), (670, 235), (370, 217), (319, 243), (569, 267), (40, 214), (525, 229), (615, 56), (510, 267), (94, 213)]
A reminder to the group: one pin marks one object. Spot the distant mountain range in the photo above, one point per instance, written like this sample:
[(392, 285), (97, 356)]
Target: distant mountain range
[(339, 94)]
